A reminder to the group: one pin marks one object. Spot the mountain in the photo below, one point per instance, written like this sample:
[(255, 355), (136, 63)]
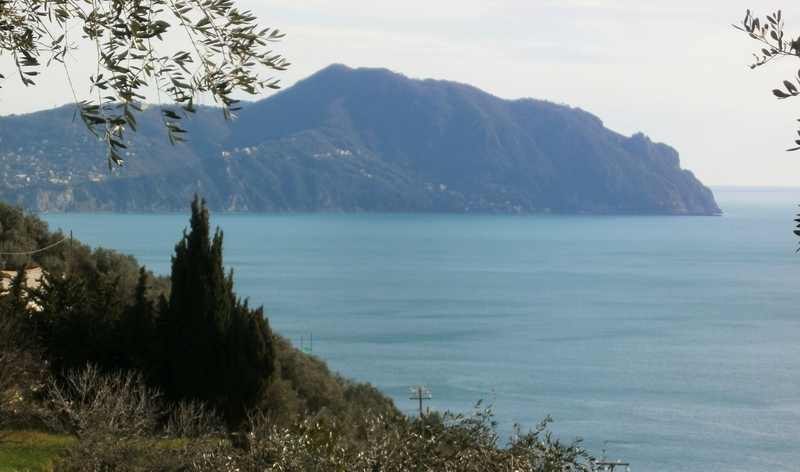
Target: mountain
[(363, 140)]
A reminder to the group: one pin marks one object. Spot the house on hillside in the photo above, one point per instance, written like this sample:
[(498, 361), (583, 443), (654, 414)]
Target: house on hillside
[(33, 278)]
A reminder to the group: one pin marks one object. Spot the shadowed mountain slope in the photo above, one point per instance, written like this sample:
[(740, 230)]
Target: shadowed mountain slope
[(363, 140)]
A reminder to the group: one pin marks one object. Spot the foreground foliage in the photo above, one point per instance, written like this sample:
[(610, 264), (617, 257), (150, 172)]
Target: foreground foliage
[(775, 45), (179, 48), (115, 418), (770, 33)]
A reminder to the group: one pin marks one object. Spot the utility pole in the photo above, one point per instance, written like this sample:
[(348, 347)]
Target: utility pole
[(420, 392), (69, 259)]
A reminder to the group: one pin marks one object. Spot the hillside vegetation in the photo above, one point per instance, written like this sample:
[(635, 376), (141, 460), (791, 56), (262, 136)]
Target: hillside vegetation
[(111, 368), (364, 140)]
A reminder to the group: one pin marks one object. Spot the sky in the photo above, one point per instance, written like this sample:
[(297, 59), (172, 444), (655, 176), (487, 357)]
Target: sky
[(675, 70)]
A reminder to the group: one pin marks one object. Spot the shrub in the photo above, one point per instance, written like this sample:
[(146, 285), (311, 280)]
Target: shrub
[(21, 369)]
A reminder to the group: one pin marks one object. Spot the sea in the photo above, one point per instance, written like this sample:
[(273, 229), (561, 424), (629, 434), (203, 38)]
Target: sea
[(668, 342)]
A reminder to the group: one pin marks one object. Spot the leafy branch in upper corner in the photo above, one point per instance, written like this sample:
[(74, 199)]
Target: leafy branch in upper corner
[(770, 32), (136, 47)]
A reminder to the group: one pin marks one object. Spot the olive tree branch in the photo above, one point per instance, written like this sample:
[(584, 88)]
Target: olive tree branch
[(770, 33), (125, 36)]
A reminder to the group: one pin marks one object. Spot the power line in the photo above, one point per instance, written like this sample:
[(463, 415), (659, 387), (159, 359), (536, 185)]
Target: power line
[(32, 252)]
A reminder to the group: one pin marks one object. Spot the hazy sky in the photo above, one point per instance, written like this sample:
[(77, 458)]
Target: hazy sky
[(675, 70)]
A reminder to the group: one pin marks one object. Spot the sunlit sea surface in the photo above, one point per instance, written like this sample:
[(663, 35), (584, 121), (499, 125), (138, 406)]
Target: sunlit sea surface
[(672, 343)]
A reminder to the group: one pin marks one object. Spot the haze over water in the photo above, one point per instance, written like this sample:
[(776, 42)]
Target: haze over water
[(671, 340)]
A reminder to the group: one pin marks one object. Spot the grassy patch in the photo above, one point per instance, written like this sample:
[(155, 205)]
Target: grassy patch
[(31, 450)]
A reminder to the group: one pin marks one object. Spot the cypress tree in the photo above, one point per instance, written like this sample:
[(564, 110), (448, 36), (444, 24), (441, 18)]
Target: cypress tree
[(138, 330), (215, 348), (251, 360)]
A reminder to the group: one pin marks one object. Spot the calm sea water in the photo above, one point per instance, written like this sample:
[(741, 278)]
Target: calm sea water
[(672, 342)]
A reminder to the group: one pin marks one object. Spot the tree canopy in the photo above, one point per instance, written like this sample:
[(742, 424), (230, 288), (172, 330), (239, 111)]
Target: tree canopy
[(179, 48)]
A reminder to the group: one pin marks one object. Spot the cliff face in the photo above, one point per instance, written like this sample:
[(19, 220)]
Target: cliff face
[(347, 140)]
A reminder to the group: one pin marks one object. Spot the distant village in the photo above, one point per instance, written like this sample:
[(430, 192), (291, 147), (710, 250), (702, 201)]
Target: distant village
[(52, 161), (22, 171)]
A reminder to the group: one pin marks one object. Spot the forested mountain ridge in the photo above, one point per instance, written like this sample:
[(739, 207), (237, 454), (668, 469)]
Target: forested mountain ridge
[(362, 140)]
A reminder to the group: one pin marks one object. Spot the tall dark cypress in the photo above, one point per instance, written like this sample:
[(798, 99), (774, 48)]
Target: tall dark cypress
[(141, 339), (208, 352)]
